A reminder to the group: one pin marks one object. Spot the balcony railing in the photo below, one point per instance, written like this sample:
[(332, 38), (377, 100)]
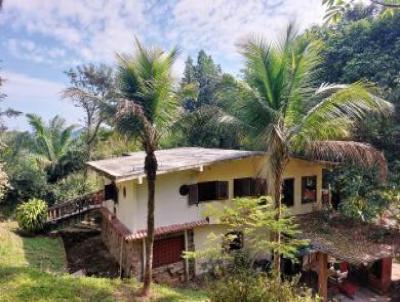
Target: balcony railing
[(75, 207)]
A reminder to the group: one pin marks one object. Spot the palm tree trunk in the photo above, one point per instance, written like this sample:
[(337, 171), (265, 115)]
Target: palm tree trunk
[(278, 183), (151, 169)]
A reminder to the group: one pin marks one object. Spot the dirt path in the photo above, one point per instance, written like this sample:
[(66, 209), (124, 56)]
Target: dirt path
[(86, 251)]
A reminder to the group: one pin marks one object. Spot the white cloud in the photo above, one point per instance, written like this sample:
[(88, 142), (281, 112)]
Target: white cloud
[(29, 50), (63, 33), (94, 30), (34, 95)]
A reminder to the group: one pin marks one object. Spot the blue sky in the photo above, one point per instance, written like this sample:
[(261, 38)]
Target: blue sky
[(39, 39)]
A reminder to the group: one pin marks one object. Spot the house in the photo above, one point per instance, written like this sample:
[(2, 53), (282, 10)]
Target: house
[(188, 179)]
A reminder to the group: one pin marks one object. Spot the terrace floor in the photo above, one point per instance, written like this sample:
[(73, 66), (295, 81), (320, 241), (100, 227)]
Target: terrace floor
[(366, 295)]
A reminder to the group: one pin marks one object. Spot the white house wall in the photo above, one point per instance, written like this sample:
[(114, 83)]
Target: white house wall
[(126, 209), (173, 208)]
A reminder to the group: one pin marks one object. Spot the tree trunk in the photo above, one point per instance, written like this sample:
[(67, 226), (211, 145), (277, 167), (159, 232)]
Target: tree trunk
[(151, 169), (278, 183)]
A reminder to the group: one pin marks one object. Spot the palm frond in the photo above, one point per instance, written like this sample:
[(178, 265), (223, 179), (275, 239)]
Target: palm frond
[(146, 79), (43, 136), (335, 116), (361, 154)]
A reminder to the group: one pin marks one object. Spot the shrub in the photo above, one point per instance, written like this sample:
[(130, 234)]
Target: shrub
[(239, 282), (248, 287), (4, 183), (32, 215), (26, 181)]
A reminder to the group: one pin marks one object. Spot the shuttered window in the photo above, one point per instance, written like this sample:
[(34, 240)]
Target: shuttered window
[(111, 192), (208, 191), (168, 250), (254, 187)]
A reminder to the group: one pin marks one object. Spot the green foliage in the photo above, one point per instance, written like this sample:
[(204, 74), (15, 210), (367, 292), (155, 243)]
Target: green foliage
[(345, 10), (361, 193), (26, 181), (366, 48), (51, 144), (73, 186), (33, 269), (147, 100), (92, 88), (32, 215), (256, 220), (4, 182), (112, 143), (202, 87), (246, 285), (303, 118)]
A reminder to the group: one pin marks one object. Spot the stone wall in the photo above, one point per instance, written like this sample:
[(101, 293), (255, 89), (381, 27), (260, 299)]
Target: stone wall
[(131, 257)]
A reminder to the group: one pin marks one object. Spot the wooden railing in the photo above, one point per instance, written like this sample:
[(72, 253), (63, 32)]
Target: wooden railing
[(75, 207)]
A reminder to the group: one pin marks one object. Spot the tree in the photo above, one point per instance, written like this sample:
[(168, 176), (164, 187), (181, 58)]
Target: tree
[(337, 9), (146, 111), (200, 91), (91, 88), (285, 114), (366, 49), (51, 143)]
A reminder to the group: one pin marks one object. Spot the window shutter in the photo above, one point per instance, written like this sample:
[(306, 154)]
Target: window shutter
[(259, 187), (241, 187), (246, 186), (193, 196), (222, 188)]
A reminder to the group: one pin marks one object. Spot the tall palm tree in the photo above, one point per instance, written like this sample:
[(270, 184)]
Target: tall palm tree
[(285, 114), (147, 108), (51, 142)]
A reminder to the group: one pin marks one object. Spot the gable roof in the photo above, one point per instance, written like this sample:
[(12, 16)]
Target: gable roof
[(170, 160)]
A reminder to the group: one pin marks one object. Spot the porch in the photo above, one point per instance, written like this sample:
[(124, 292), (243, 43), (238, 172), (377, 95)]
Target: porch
[(350, 260)]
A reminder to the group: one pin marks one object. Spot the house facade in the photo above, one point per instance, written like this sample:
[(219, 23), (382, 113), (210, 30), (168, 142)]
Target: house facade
[(188, 180)]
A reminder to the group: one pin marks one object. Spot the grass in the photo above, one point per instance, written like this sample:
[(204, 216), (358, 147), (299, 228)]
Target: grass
[(34, 269), (40, 252)]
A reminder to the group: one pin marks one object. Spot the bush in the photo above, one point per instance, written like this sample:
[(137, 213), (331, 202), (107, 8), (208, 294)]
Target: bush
[(32, 215), (249, 287), (242, 283), (26, 181)]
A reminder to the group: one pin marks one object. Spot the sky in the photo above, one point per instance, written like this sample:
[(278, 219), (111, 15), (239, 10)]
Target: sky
[(40, 39)]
